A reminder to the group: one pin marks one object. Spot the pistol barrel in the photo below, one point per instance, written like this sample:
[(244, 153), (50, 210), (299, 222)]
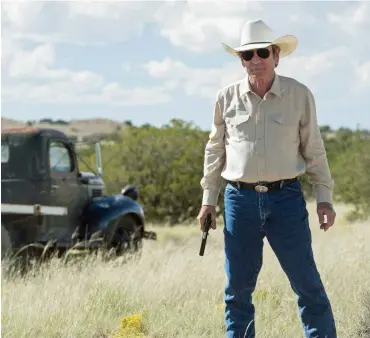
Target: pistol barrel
[(207, 225)]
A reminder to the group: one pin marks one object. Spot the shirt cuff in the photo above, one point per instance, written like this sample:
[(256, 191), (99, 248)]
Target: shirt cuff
[(210, 197), (323, 194)]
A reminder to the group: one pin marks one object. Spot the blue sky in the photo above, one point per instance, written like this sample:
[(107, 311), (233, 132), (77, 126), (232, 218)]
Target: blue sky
[(149, 62)]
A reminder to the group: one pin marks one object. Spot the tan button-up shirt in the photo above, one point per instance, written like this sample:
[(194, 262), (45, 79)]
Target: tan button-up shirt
[(265, 139)]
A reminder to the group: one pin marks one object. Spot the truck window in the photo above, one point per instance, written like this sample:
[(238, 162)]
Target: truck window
[(59, 156), (4, 152)]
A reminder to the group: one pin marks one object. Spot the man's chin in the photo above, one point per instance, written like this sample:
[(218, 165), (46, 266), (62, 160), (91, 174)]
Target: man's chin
[(257, 72)]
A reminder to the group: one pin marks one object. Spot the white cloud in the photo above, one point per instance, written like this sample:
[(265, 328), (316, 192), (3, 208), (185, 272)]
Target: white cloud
[(352, 20), (126, 67), (98, 10), (194, 25), (201, 82), (199, 25), (8, 48), (96, 23), (362, 74), (67, 92), (31, 63), (38, 63), (114, 92), (303, 19), (309, 68), (37, 80), (205, 82), (21, 15), (162, 69), (33, 74)]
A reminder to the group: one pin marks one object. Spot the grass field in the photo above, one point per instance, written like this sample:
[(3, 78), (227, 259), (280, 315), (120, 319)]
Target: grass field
[(181, 292)]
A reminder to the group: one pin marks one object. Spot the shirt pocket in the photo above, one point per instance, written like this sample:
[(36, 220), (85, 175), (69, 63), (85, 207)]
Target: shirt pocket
[(240, 127), (282, 129)]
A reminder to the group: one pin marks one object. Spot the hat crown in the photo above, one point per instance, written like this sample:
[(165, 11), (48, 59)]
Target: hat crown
[(256, 31)]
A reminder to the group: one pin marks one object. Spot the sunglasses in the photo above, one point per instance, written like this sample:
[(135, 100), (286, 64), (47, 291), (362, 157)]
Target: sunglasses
[(263, 53)]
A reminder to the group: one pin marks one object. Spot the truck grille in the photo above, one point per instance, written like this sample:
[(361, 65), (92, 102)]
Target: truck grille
[(96, 192)]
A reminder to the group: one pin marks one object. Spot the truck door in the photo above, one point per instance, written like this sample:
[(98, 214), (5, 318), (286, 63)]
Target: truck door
[(65, 188)]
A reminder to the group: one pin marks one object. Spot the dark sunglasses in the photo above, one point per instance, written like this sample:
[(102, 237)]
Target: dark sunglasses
[(263, 53)]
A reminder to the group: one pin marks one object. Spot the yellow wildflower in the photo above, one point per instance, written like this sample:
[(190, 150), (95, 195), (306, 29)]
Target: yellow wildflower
[(131, 326), (133, 321)]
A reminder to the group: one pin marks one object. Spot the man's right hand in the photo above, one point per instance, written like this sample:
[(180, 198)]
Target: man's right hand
[(204, 211)]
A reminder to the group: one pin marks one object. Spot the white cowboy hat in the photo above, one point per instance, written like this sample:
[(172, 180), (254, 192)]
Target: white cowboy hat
[(256, 34)]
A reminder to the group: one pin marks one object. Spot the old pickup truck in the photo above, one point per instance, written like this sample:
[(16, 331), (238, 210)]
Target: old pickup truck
[(45, 198)]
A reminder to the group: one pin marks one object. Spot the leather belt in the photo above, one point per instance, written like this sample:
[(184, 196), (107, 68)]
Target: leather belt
[(262, 186)]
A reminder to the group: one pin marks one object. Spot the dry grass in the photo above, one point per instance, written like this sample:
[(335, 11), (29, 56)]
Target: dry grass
[(182, 292)]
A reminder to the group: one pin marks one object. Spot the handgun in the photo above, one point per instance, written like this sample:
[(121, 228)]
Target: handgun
[(207, 225)]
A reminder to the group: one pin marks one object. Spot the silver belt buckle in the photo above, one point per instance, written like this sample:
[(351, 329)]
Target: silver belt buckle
[(261, 188)]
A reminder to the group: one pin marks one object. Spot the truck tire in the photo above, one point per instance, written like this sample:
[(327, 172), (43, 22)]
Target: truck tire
[(6, 243), (125, 236)]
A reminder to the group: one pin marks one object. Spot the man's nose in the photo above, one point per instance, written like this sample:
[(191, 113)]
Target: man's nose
[(256, 59)]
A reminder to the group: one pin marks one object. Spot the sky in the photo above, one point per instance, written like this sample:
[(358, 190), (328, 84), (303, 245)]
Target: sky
[(150, 62)]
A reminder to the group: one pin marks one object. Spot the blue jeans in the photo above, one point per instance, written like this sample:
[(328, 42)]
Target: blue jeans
[(282, 217)]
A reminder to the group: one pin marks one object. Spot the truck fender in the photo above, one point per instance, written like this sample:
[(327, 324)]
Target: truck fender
[(124, 231), (127, 217), (107, 214)]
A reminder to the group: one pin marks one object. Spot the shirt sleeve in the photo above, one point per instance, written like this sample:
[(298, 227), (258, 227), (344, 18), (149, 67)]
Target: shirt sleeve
[(214, 158), (314, 153)]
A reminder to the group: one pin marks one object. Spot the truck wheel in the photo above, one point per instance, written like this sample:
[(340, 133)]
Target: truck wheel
[(6, 243), (125, 236)]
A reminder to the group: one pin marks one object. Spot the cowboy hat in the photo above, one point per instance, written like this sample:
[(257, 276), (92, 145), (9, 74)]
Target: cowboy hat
[(256, 34)]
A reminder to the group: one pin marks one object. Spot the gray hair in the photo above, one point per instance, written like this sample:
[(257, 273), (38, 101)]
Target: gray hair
[(275, 52)]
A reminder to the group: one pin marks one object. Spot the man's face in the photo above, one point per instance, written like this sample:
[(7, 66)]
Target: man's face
[(259, 63)]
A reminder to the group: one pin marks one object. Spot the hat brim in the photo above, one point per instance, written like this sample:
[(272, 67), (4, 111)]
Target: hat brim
[(286, 43)]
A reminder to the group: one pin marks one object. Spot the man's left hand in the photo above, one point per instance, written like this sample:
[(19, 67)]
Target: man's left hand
[(325, 210)]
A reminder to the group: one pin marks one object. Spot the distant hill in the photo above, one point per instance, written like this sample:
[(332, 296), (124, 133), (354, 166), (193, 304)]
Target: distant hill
[(76, 129), (81, 130)]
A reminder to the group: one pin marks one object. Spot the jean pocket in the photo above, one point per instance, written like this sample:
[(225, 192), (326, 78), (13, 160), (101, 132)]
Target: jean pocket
[(230, 188), (293, 186)]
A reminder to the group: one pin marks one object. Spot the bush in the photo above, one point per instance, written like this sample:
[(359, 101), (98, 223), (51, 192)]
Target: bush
[(166, 166), (351, 172)]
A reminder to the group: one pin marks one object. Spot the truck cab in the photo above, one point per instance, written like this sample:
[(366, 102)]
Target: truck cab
[(45, 197)]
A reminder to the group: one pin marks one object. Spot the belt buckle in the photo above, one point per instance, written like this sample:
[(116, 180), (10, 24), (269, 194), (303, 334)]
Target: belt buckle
[(261, 188)]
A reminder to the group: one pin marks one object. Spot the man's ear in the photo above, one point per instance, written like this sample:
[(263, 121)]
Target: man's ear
[(276, 55)]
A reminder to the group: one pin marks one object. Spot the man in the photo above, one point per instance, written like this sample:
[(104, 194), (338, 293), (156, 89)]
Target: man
[(264, 135)]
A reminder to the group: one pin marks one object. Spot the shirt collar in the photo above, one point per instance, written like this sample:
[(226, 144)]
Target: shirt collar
[(275, 88)]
